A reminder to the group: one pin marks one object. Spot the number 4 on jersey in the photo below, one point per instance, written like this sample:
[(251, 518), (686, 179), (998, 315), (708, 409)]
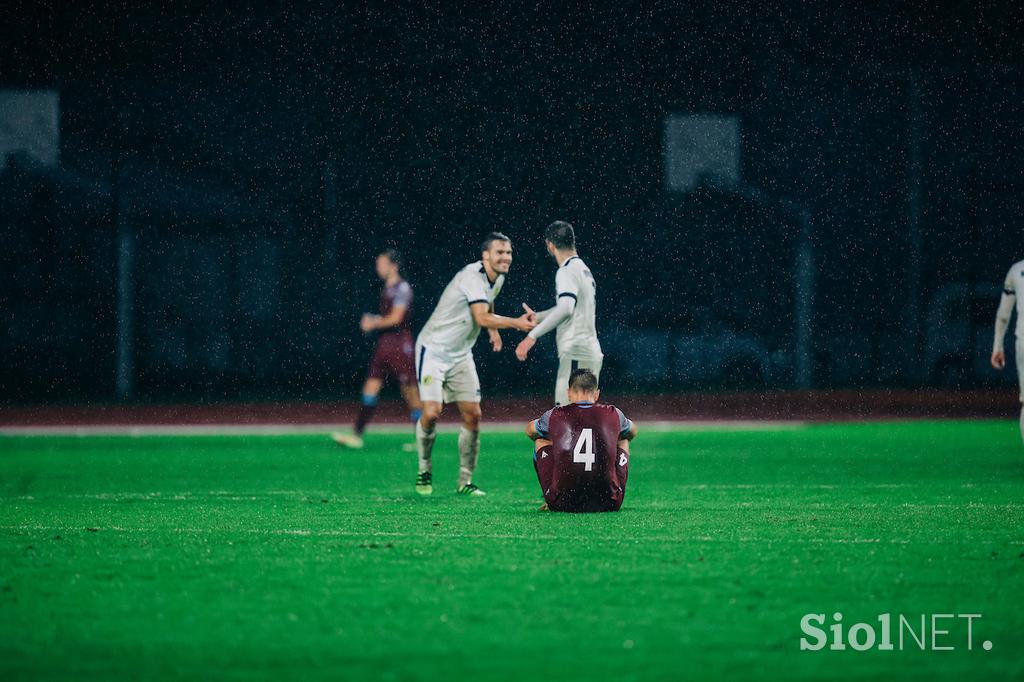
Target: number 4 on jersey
[(584, 452)]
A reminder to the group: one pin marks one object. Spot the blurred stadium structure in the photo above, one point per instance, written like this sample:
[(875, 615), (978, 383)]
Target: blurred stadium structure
[(772, 209)]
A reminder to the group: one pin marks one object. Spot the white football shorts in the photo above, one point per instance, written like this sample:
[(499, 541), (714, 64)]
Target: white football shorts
[(444, 381)]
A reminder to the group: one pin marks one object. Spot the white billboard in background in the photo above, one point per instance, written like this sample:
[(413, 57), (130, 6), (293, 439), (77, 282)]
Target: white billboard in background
[(30, 126), (700, 146)]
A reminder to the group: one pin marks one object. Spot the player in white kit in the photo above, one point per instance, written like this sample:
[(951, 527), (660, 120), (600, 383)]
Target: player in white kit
[(1013, 292), (445, 370), (573, 315)]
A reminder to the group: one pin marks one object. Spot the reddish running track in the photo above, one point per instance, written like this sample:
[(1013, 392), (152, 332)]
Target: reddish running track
[(768, 406)]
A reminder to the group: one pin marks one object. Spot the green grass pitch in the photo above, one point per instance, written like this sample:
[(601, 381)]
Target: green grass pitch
[(248, 557)]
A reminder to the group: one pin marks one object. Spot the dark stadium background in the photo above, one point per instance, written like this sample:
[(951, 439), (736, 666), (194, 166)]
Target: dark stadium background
[(256, 157)]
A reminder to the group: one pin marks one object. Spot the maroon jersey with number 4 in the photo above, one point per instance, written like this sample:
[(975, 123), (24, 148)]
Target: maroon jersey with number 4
[(583, 469)]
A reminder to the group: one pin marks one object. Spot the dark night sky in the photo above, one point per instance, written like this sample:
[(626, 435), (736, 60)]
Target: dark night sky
[(443, 120), (241, 86)]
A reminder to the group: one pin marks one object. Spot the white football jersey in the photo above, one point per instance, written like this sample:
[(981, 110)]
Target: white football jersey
[(1014, 286), (577, 336), (451, 330)]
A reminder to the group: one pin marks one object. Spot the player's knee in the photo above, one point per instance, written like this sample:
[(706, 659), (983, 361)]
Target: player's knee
[(431, 414), (471, 417)]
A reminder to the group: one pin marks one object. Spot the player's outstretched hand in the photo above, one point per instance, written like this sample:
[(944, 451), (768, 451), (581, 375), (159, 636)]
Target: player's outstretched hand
[(524, 323), (366, 322), (998, 359), (523, 349), (530, 315)]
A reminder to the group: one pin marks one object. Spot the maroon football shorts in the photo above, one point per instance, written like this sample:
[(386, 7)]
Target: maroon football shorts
[(598, 497), (393, 357)]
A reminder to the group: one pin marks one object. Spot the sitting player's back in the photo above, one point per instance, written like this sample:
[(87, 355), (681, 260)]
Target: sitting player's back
[(582, 451)]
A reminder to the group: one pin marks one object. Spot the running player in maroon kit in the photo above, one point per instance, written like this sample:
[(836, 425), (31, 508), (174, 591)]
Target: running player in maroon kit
[(581, 450), (393, 355)]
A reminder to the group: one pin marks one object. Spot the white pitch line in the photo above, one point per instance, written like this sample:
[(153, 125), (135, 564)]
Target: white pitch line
[(136, 430), (225, 495), (431, 536)]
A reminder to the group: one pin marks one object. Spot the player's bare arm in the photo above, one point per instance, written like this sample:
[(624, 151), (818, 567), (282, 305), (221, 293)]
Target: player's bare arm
[(627, 435), (494, 335), (370, 323), (488, 320), (625, 438), (539, 441), (523, 349)]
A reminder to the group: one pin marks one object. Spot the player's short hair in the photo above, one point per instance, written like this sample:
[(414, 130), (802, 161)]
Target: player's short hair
[(491, 238), (393, 256), (583, 380), (561, 234)]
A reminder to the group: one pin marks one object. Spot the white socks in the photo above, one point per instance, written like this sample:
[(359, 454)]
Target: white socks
[(469, 450), (424, 446)]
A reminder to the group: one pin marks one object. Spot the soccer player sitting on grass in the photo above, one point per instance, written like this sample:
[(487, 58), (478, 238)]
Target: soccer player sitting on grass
[(581, 450)]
